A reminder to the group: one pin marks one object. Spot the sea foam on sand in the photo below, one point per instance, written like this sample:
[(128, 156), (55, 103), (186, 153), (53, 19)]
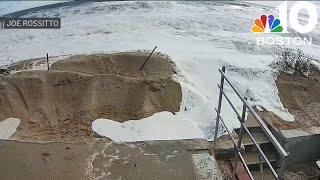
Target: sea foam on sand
[(8, 127)]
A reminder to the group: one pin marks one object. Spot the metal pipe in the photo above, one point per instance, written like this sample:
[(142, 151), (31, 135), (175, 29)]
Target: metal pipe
[(243, 116), (245, 166), (261, 167), (224, 125), (240, 135), (232, 106), (219, 110)]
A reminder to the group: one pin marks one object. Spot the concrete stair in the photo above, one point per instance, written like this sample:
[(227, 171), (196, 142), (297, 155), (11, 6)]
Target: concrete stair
[(260, 137), (251, 154), (267, 175), (252, 158)]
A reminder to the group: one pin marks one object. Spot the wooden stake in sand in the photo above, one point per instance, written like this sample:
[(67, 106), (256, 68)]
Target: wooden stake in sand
[(48, 61), (148, 58)]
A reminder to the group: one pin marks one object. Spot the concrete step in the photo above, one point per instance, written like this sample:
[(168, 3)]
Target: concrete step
[(224, 147), (260, 137), (251, 122), (267, 175), (252, 158), (256, 174)]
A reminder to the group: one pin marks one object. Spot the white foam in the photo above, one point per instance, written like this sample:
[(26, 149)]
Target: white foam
[(8, 127), (160, 126)]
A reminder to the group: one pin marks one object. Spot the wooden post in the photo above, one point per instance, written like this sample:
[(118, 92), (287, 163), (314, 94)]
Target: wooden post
[(48, 61), (148, 58)]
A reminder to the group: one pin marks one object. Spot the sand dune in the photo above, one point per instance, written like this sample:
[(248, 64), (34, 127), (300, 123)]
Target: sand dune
[(61, 103)]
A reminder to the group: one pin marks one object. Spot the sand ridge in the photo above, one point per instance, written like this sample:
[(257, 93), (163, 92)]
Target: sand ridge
[(61, 103), (301, 96)]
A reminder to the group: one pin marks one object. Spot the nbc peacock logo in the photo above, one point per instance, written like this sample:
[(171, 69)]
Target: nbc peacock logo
[(266, 24)]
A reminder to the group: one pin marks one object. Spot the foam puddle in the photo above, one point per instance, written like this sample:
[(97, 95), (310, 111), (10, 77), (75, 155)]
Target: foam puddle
[(8, 127), (160, 126)]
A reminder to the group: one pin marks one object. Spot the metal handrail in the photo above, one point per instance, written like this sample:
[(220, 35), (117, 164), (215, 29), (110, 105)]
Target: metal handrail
[(229, 101), (235, 145), (264, 127), (250, 135), (260, 150)]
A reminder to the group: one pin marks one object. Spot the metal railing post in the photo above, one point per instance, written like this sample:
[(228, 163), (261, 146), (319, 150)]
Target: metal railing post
[(242, 118), (219, 110), (261, 166)]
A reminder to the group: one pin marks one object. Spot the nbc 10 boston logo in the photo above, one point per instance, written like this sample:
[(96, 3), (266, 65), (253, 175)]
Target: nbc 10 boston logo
[(268, 24)]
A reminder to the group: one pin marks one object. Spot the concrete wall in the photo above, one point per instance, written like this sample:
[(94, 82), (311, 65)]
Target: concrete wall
[(302, 146)]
